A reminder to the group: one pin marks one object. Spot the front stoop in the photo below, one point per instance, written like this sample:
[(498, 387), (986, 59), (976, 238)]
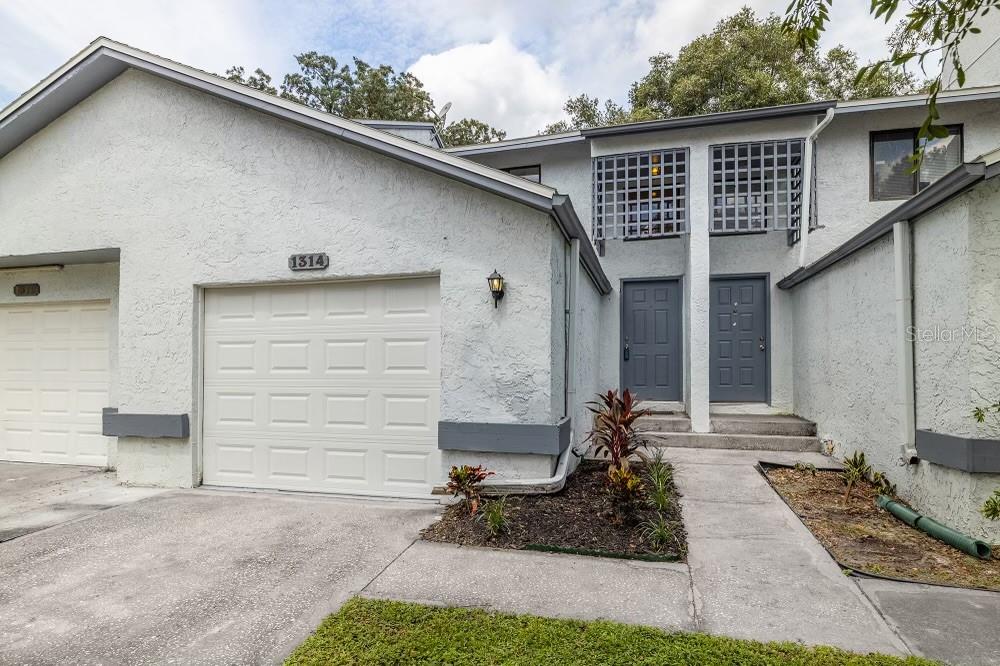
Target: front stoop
[(749, 432)]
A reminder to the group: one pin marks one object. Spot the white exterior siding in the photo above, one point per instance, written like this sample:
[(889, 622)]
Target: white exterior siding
[(200, 192)]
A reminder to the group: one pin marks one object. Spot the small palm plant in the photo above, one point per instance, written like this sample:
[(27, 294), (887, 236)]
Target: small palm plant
[(614, 435), (856, 469), (991, 509)]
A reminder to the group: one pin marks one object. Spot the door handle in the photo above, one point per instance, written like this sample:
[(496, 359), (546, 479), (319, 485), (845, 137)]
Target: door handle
[(763, 344), (626, 349)]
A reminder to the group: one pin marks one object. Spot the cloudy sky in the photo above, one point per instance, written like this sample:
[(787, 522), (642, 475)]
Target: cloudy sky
[(512, 63)]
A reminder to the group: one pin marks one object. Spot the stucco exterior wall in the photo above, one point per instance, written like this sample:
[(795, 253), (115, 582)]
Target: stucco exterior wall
[(843, 172), (197, 192), (75, 283), (846, 371), (590, 305)]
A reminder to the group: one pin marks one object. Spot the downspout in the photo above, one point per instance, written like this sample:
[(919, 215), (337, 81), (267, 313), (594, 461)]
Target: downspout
[(805, 219), (902, 249), (555, 483)]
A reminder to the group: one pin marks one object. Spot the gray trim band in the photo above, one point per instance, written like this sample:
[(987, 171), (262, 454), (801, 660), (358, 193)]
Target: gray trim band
[(535, 438), (954, 182), (154, 426), (976, 456)]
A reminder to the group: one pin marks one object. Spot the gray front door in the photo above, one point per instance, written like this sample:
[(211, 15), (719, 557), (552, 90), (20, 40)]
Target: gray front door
[(738, 362), (651, 339)]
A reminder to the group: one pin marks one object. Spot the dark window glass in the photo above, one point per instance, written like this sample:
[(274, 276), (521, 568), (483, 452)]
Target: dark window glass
[(532, 173), (891, 173)]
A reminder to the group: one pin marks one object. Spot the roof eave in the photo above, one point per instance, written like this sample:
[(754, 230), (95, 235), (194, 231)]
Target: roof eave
[(947, 187)]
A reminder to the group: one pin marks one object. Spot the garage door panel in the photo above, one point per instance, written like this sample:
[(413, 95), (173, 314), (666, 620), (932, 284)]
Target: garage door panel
[(325, 387), (54, 375)]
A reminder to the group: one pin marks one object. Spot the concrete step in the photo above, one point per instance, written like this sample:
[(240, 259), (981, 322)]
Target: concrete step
[(760, 424), (664, 423), (662, 407), (744, 442)]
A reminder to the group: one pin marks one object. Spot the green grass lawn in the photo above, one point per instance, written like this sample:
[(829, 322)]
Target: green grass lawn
[(392, 632)]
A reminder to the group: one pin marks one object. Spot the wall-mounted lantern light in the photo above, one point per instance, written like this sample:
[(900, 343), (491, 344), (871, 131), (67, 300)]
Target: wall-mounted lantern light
[(496, 287)]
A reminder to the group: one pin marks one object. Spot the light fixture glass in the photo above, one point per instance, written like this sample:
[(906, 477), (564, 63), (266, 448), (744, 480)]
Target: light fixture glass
[(496, 287)]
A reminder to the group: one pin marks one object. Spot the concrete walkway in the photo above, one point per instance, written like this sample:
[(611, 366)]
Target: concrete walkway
[(35, 497), (753, 571)]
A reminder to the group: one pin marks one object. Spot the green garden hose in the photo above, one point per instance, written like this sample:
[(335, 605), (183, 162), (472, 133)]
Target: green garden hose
[(963, 542)]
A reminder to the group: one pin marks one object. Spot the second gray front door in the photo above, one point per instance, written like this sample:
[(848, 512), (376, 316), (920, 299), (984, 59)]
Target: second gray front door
[(738, 361), (651, 339)]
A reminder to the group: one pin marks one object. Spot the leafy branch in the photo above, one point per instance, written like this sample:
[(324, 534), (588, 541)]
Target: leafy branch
[(930, 30)]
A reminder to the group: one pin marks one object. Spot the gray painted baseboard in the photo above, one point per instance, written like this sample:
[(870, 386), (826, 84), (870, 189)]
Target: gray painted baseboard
[(977, 456), (537, 438), (174, 426)]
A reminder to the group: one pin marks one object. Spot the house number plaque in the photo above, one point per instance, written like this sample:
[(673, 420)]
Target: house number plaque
[(315, 261), (27, 289)]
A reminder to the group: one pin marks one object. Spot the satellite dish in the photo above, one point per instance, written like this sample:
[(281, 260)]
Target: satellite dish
[(443, 113)]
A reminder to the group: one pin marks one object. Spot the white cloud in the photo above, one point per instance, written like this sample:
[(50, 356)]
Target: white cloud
[(37, 37), (495, 82)]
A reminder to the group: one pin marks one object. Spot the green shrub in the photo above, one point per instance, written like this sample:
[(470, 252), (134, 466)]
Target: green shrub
[(856, 469), (658, 532), (659, 482), (991, 508), (494, 517), (624, 489)]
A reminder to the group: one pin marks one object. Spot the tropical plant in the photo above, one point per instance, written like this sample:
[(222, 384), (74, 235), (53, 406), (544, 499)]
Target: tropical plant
[(659, 480), (625, 489), (658, 532), (882, 484), (467, 481), (991, 508), (494, 517), (805, 467), (856, 469), (614, 436)]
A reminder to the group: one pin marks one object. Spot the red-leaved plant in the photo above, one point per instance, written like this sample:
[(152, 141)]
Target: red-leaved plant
[(466, 481), (614, 435)]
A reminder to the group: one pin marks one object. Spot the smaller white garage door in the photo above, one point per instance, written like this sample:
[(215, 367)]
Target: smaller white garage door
[(54, 382), (330, 387)]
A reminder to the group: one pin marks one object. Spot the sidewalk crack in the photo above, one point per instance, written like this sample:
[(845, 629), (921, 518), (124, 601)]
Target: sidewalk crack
[(390, 563)]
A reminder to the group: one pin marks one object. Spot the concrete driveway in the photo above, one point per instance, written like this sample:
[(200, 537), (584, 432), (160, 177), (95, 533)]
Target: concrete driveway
[(193, 576)]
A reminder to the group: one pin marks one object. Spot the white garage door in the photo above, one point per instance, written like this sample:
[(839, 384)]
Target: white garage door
[(324, 387), (54, 382)]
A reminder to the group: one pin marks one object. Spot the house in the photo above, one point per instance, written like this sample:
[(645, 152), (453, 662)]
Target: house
[(202, 283)]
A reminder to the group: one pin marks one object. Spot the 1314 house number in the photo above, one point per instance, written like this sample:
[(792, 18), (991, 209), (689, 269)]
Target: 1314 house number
[(309, 262)]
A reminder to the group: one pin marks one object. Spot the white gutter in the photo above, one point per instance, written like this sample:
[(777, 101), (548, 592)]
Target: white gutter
[(804, 219), (902, 249), (555, 483)]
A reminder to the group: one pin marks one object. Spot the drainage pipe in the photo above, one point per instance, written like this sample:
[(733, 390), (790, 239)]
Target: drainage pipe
[(805, 220), (964, 543), (902, 249), (557, 481)]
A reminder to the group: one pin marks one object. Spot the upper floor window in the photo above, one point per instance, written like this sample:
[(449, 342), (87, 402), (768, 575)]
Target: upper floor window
[(891, 168), (532, 173), (757, 186), (640, 195)]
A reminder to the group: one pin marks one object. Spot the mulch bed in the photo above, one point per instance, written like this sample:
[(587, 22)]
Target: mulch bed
[(576, 519), (868, 539)]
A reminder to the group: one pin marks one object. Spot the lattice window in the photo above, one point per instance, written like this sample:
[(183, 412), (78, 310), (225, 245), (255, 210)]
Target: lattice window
[(756, 186), (640, 195)]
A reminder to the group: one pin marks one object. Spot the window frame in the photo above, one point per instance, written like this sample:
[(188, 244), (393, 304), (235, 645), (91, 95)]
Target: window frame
[(953, 128), (512, 169), (806, 180), (682, 222)]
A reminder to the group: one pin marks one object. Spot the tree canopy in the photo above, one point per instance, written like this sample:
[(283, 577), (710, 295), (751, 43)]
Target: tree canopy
[(362, 92), (746, 62), (930, 30)]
